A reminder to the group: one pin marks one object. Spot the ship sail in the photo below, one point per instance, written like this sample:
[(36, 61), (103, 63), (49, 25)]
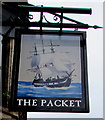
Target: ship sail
[(35, 61), (46, 73), (46, 58), (51, 64), (40, 65), (60, 60)]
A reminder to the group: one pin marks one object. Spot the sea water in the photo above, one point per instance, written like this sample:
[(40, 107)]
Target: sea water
[(26, 89)]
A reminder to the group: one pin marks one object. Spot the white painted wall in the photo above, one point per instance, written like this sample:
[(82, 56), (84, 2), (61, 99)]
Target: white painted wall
[(95, 57)]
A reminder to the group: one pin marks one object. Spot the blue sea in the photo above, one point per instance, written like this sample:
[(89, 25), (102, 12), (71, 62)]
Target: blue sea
[(26, 89)]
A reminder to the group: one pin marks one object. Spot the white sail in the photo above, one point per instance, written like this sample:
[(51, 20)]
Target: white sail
[(46, 59), (60, 61), (46, 73), (41, 60), (35, 61), (59, 65)]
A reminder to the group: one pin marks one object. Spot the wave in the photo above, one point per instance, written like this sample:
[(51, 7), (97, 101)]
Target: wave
[(26, 89), (23, 86)]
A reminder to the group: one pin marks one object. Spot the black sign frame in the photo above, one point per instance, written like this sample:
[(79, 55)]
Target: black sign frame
[(81, 105)]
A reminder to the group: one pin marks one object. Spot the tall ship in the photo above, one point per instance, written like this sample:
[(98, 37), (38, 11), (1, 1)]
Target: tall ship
[(51, 69)]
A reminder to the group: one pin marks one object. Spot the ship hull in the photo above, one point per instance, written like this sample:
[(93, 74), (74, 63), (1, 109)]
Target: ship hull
[(55, 83)]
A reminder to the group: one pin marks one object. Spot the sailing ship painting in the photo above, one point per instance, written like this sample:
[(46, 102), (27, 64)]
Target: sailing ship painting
[(47, 68), (50, 70)]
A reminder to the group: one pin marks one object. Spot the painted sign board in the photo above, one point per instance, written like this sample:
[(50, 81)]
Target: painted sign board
[(50, 71)]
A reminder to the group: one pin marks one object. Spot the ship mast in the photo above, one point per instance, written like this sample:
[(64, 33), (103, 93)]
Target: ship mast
[(52, 48), (43, 47), (36, 52)]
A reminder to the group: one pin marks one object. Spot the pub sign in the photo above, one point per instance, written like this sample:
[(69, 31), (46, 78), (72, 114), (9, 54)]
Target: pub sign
[(50, 71)]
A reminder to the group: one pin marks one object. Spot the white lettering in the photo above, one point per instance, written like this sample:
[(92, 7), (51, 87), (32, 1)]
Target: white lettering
[(27, 102), (34, 102), (20, 100), (43, 102), (72, 103), (56, 101), (64, 103), (50, 103), (78, 103)]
